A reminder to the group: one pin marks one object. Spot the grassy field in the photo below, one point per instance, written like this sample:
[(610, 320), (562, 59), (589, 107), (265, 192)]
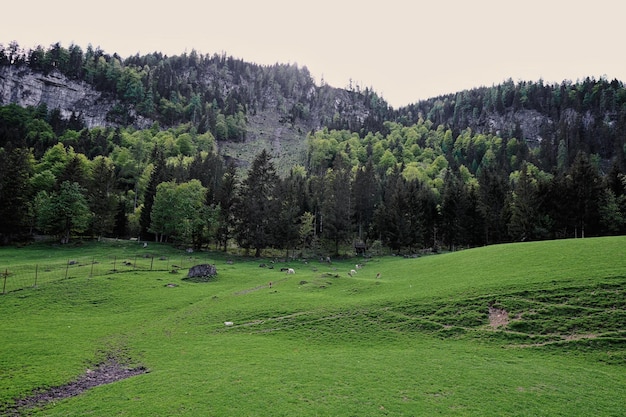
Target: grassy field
[(529, 329)]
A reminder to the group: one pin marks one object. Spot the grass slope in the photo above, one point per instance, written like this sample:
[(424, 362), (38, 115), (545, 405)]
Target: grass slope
[(510, 330)]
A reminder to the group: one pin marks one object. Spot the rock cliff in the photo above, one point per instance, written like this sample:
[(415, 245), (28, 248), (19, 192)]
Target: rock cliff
[(21, 86)]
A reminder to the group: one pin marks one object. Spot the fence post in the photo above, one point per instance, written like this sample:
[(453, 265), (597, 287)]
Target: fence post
[(67, 267), (151, 262), (93, 260), (36, 270)]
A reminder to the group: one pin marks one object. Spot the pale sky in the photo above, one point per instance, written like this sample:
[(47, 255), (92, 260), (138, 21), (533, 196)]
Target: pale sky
[(405, 50)]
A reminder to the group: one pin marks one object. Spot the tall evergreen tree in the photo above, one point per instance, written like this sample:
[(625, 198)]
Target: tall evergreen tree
[(225, 198), (16, 167), (366, 194), (586, 189), (101, 196), (255, 205), (337, 204), (159, 174), (493, 197), (457, 215), (525, 221), (290, 205)]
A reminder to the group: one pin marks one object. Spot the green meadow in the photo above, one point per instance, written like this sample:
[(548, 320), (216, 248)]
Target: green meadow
[(526, 329)]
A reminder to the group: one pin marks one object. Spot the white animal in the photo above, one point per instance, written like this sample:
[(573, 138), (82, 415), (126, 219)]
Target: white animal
[(228, 323), (352, 272), (291, 271), (358, 266)]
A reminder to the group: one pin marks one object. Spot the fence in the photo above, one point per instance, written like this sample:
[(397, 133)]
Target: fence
[(19, 277)]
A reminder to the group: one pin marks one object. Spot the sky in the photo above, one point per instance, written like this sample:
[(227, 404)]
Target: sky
[(405, 50)]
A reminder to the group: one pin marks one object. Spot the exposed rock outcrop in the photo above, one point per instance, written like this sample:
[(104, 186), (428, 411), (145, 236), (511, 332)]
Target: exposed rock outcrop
[(24, 87), (202, 272)]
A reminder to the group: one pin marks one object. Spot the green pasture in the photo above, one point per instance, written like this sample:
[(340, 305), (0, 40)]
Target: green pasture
[(416, 341)]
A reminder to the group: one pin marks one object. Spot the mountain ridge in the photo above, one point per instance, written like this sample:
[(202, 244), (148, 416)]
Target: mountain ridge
[(244, 105)]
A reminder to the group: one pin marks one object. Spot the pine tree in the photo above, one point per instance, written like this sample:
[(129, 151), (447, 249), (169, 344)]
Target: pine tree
[(336, 205), (15, 170), (586, 190), (366, 194), (524, 222), (255, 206), (101, 196), (492, 199), (159, 174), (225, 197)]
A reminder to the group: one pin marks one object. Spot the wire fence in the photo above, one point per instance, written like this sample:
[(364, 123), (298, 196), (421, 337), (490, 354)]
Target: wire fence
[(18, 277)]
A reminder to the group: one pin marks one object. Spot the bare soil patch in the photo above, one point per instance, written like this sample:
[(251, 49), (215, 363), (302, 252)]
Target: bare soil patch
[(104, 373), (498, 317)]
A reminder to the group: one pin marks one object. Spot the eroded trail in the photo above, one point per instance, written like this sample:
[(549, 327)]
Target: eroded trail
[(104, 373)]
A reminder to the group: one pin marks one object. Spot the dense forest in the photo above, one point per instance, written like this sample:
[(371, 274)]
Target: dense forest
[(511, 162)]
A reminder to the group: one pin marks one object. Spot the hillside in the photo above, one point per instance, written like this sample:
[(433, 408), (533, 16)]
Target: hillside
[(492, 331), (240, 102), (237, 101), (264, 158)]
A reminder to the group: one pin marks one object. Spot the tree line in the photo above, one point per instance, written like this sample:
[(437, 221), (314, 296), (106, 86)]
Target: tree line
[(215, 93), (588, 115), (415, 187)]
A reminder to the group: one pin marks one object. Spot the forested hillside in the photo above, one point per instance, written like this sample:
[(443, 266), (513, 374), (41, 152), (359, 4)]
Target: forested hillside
[(199, 149)]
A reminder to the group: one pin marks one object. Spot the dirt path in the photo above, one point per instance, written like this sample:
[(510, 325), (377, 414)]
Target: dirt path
[(104, 373)]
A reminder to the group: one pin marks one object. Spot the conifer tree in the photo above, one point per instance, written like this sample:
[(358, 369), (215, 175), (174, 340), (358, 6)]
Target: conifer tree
[(15, 171), (159, 174), (337, 204), (525, 222), (225, 198), (254, 209), (101, 196), (365, 198)]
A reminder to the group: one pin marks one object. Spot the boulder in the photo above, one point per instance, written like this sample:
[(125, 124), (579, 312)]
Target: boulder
[(202, 271)]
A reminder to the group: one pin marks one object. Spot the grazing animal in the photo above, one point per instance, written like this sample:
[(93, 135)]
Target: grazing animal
[(358, 266), (228, 323), (352, 272), (291, 271), (284, 269)]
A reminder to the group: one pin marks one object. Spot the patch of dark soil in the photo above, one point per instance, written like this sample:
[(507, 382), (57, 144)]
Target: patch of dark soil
[(104, 373)]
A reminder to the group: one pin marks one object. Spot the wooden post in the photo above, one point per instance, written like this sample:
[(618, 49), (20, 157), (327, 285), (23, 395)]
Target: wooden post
[(93, 260), (151, 262), (67, 267), (36, 270)]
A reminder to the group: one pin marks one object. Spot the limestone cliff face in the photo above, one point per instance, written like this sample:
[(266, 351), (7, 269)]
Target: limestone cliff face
[(532, 125), (21, 86)]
